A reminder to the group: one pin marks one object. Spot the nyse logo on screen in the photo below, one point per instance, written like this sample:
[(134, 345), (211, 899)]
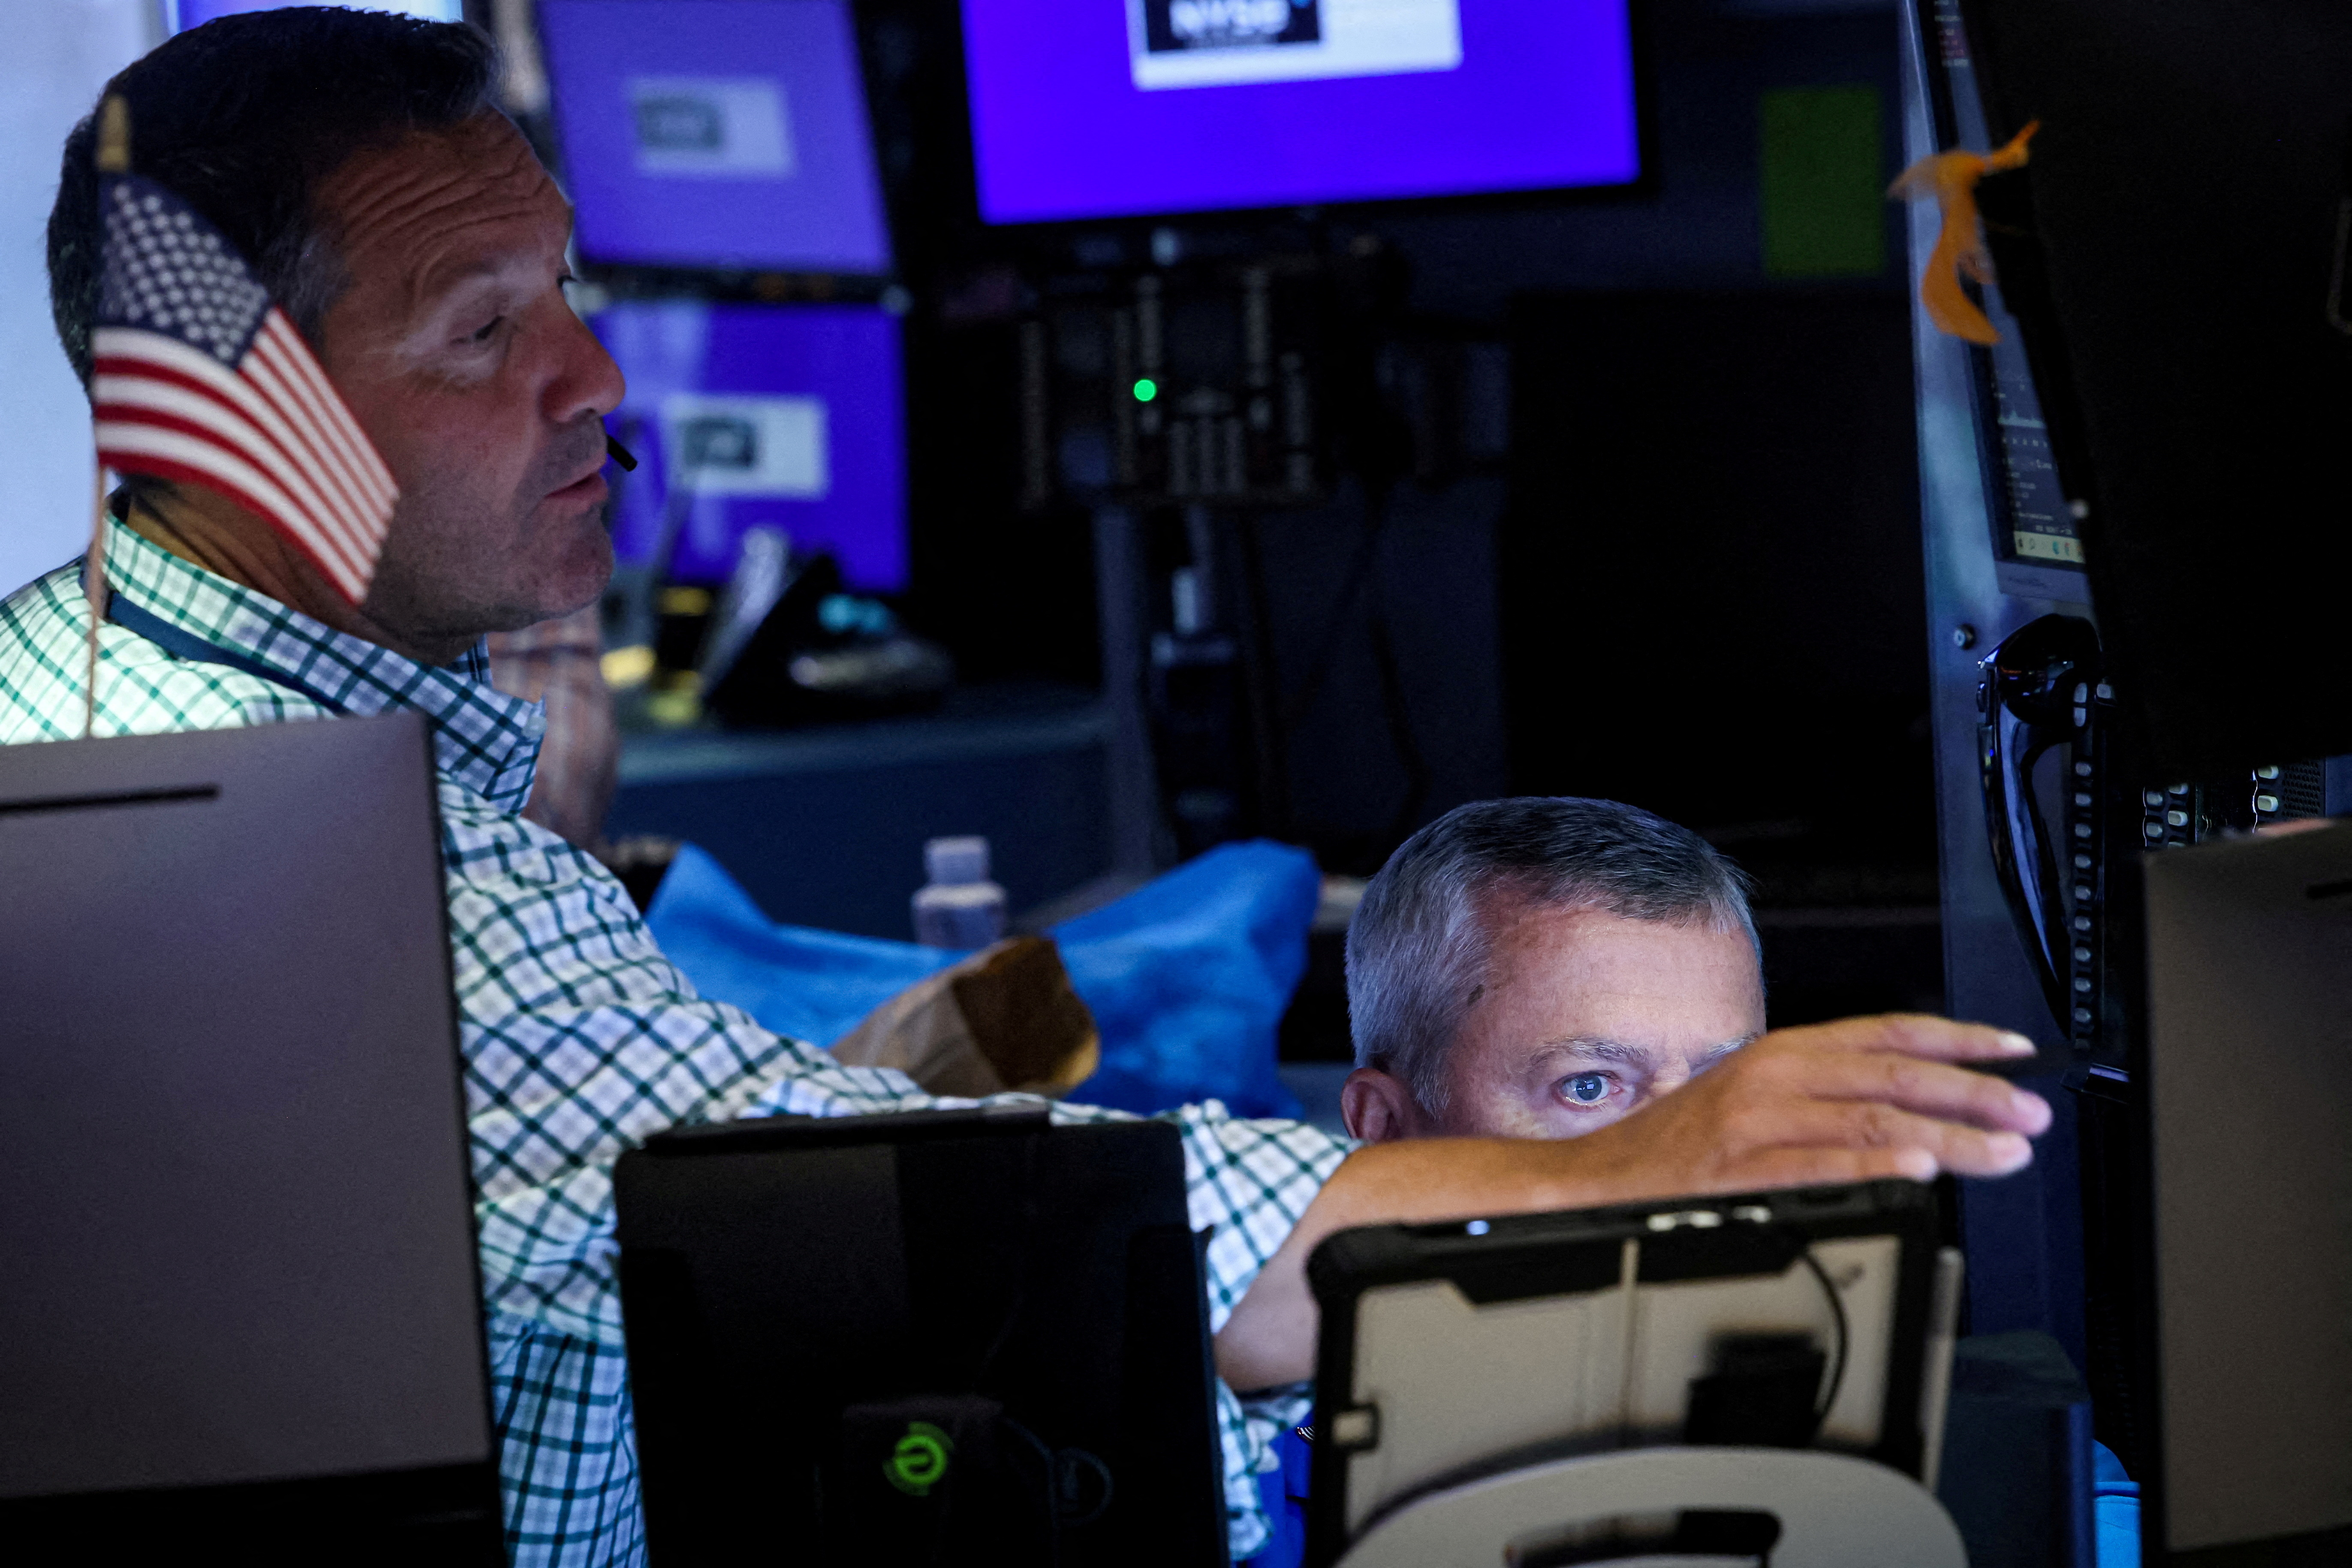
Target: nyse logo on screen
[(711, 128), (1232, 43), (1170, 25)]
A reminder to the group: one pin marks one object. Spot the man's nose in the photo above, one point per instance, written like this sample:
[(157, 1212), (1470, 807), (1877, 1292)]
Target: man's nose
[(587, 382)]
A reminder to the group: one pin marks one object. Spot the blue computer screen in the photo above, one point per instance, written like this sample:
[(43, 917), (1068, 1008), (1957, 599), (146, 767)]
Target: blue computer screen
[(716, 133), (179, 15), (789, 416), (1088, 109)]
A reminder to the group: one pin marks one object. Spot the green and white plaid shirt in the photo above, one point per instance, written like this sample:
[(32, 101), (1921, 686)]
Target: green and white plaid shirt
[(579, 1038)]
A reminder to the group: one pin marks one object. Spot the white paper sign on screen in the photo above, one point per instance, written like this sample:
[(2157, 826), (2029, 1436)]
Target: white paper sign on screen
[(711, 128), (718, 446), (1231, 43)]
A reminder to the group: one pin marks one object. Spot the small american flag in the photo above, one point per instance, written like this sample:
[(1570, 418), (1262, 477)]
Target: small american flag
[(200, 377)]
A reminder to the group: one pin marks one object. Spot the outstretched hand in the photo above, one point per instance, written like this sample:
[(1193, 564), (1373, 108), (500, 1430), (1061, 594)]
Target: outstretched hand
[(1854, 1100), (1849, 1101)]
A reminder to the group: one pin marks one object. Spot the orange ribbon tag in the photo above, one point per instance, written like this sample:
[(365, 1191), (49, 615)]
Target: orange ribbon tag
[(1951, 178)]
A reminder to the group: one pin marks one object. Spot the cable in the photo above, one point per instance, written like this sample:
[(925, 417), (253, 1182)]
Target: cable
[(1399, 720), (1020, 1300), (1335, 631), (1262, 677), (1845, 1336), (1053, 1512), (1361, 584)]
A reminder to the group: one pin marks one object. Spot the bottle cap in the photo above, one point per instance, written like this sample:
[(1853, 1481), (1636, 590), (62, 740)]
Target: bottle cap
[(952, 860)]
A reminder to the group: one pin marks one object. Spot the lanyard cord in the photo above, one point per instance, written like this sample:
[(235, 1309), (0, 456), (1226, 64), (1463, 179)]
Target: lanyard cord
[(183, 644)]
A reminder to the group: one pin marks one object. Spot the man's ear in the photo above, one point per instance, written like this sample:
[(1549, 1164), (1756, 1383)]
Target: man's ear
[(1378, 1108)]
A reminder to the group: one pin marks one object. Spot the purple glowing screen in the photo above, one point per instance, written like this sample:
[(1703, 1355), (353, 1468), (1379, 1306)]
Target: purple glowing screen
[(182, 14), (716, 133), (785, 417), (1092, 109)]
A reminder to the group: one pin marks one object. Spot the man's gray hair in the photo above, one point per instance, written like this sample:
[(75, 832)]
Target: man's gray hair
[(1417, 948)]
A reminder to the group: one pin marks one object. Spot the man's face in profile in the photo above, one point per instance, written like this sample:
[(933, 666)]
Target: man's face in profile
[(1585, 1018), (458, 355)]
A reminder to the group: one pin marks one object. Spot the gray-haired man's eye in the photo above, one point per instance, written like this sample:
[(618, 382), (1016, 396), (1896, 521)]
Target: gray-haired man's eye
[(1586, 1088)]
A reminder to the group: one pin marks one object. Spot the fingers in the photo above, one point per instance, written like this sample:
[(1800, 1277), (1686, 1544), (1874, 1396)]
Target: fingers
[(1910, 1035), (1854, 1100), (1922, 1146), (1930, 1089)]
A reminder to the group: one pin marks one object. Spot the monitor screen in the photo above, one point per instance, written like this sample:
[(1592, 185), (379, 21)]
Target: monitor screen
[(716, 133), (785, 417), (1129, 108), (179, 15)]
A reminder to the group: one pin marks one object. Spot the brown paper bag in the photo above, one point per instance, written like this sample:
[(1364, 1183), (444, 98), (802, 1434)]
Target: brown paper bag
[(1005, 1019)]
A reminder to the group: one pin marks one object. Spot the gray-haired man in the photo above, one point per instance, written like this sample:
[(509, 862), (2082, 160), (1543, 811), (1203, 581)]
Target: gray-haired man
[(1542, 967)]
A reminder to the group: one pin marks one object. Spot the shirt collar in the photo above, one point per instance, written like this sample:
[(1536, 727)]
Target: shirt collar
[(482, 738)]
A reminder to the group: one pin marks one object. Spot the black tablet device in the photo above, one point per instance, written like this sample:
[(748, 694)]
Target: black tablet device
[(1456, 1350), (960, 1336)]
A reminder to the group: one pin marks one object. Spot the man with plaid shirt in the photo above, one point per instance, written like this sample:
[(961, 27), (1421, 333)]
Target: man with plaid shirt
[(405, 226)]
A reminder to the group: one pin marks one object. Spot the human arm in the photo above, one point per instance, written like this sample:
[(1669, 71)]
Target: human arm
[(581, 1040), (1854, 1100)]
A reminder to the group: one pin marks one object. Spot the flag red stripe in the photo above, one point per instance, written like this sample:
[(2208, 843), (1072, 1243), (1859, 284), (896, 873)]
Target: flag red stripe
[(130, 388), (201, 424), (280, 348), (198, 463), (134, 349)]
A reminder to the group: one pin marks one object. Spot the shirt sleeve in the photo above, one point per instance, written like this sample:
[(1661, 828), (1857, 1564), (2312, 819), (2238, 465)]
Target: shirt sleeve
[(580, 1040)]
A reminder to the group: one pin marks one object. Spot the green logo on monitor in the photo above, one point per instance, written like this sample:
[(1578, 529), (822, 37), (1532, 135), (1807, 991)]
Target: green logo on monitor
[(919, 1461)]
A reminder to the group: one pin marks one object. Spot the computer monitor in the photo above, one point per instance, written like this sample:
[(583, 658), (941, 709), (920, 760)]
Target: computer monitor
[(179, 15), (786, 416), (2176, 255), (1113, 110), (242, 1303), (725, 134)]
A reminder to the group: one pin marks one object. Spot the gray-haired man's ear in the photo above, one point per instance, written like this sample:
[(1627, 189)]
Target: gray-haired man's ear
[(1378, 1108)]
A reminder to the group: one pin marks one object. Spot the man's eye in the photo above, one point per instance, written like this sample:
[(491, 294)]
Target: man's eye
[(488, 330), (1586, 1088)]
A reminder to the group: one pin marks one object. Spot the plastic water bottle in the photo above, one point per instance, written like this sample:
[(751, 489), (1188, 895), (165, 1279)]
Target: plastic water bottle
[(960, 907)]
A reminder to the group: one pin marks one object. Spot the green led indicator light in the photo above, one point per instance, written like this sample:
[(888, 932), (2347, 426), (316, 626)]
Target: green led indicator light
[(1146, 390), (919, 1461)]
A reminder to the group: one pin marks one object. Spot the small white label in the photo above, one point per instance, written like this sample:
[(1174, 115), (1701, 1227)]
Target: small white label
[(712, 128), (1225, 43), (2033, 546), (748, 446)]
